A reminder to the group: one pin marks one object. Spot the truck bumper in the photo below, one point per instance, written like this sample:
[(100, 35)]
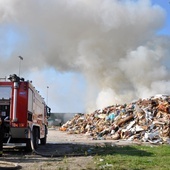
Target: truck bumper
[(19, 132)]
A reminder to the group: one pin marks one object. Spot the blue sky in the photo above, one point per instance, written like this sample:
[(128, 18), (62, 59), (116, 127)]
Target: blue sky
[(49, 39), (165, 4)]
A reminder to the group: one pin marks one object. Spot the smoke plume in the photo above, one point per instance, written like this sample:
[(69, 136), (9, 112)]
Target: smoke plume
[(113, 43)]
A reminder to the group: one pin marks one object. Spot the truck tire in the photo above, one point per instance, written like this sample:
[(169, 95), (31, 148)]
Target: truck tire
[(28, 146), (43, 141), (35, 138)]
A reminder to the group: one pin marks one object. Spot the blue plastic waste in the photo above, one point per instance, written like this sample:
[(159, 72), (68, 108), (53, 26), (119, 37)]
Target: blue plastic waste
[(110, 117)]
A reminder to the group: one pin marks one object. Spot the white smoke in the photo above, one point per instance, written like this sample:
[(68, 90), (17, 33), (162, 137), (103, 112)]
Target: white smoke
[(113, 43)]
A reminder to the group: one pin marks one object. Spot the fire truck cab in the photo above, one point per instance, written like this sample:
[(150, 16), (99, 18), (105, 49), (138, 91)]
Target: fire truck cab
[(24, 112)]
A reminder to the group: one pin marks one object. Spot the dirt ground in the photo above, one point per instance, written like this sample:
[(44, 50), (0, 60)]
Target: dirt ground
[(62, 152)]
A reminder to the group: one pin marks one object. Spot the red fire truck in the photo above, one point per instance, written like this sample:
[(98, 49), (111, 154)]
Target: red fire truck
[(24, 113)]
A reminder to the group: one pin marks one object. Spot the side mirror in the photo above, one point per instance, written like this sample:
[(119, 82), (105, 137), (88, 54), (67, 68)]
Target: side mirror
[(48, 109)]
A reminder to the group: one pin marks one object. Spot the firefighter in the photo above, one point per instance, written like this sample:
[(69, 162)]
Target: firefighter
[(1, 134)]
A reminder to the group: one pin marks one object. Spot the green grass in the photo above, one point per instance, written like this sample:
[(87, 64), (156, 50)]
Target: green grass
[(133, 158)]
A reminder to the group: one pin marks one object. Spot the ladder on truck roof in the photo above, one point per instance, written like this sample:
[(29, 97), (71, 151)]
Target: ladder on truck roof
[(3, 79)]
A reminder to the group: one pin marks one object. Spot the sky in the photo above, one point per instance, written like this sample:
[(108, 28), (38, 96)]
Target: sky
[(84, 55)]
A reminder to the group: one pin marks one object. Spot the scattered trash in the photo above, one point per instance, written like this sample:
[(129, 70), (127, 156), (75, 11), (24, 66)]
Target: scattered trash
[(146, 120)]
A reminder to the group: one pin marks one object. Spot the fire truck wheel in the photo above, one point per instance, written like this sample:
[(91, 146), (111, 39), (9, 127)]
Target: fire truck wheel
[(28, 146), (43, 140), (35, 138)]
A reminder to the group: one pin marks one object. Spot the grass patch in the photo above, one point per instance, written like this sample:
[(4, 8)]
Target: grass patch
[(134, 157)]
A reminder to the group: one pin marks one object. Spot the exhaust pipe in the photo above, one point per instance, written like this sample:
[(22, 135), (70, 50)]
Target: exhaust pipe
[(14, 78), (16, 86)]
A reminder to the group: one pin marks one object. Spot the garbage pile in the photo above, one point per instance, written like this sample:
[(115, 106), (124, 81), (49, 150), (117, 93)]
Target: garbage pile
[(145, 120)]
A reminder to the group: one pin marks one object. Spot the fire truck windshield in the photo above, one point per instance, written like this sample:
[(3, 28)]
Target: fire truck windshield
[(5, 92)]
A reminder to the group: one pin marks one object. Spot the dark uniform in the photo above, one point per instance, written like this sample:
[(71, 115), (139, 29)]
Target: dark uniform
[(1, 135)]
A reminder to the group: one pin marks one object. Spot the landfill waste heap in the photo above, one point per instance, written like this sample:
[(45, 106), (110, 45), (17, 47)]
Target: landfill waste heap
[(145, 120)]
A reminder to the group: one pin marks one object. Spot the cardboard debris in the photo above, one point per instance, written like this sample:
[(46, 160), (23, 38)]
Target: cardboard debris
[(146, 120)]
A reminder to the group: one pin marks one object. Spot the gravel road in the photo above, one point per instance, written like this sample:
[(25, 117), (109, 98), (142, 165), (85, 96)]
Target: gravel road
[(57, 136)]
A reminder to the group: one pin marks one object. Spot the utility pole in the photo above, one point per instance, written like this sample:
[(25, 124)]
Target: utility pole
[(47, 95), (20, 58)]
